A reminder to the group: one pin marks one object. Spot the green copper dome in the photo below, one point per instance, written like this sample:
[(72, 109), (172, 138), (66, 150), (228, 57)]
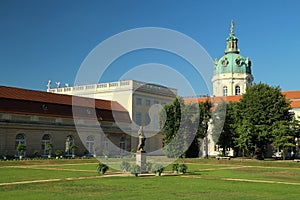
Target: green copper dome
[(232, 61)]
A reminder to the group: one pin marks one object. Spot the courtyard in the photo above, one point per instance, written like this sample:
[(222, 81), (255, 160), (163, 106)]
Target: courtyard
[(205, 179)]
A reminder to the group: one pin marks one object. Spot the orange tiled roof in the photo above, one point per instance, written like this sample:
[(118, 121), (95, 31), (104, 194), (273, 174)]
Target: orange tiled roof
[(293, 96), (25, 101), (295, 104), (213, 99), (46, 97)]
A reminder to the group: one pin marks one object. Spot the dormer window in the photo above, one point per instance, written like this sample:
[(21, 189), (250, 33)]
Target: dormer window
[(224, 62), (238, 61)]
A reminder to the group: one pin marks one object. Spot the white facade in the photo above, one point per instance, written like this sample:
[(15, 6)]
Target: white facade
[(143, 101), (231, 84)]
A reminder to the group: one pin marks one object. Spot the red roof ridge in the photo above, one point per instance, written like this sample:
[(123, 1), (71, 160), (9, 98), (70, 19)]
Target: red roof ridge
[(47, 97)]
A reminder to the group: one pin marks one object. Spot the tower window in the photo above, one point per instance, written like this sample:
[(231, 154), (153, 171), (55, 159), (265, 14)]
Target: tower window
[(225, 91), (237, 90)]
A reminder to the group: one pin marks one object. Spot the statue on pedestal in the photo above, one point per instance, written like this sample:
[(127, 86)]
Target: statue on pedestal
[(142, 139)]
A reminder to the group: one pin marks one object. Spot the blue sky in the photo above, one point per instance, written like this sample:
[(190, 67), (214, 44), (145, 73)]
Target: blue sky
[(42, 40)]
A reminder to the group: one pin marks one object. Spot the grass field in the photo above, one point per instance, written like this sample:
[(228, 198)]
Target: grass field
[(206, 179)]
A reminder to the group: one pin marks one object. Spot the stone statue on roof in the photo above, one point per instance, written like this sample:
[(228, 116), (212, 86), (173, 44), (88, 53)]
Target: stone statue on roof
[(49, 85), (57, 84)]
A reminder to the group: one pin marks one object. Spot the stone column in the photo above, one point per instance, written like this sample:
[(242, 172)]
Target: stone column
[(141, 159)]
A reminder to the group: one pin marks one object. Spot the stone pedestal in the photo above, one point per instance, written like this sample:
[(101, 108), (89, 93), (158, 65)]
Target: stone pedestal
[(141, 159)]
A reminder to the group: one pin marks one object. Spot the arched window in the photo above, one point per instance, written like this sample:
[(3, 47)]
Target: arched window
[(46, 139), (237, 90), (69, 143), (20, 139), (105, 146), (225, 91), (122, 145), (90, 144)]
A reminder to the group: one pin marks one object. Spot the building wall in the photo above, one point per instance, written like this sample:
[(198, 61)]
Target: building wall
[(297, 113), (142, 101), (34, 127), (231, 80)]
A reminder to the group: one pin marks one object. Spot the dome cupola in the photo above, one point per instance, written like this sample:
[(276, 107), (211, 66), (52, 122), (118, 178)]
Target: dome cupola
[(232, 73), (232, 61)]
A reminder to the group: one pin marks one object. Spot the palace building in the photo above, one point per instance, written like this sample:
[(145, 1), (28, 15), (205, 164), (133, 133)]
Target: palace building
[(143, 101), (232, 77), (44, 123)]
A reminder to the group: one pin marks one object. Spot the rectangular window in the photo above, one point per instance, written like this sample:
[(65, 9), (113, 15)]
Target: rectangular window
[(138, 101), (113, 84), (138, 119), (148, 103), (90, 87), (102, 85), (148, 120)]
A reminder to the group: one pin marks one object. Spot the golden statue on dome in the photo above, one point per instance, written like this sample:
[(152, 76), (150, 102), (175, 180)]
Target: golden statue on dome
[(232, 27)]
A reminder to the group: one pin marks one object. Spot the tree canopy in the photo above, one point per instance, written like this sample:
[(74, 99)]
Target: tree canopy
[(182, 126), (264, 119), (260, 120)]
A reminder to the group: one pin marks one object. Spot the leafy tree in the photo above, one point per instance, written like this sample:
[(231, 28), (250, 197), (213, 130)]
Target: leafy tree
[(295, 131), (228, 128), (182, 126), (242, 140), (283, 137), (217, 122), (264, 115), (204, 118), (170, 119)]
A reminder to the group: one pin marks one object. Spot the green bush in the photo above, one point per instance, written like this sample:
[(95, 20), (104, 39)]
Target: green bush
[(102, 168), (175, 167), (58, 153), (158, 169), (125, 166), (148, 166), (135, 169), (182, 168)]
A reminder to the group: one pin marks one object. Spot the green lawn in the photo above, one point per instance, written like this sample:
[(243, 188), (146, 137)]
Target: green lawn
[(206, 179)]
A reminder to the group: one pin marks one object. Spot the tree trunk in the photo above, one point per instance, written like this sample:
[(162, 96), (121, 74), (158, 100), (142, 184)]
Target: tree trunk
[(283, 153)]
